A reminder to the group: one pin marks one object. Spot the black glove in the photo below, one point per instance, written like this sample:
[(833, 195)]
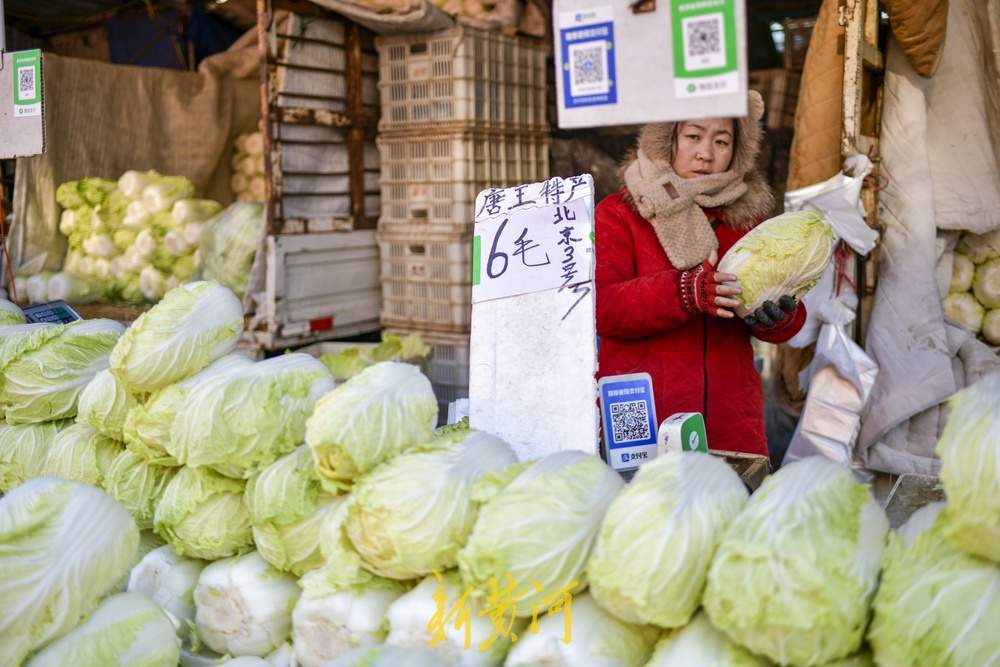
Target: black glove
[(771, 314)]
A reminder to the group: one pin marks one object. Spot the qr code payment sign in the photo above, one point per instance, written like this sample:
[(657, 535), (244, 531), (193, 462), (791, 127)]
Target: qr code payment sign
[(704, 42), (630, 421), (26, 83), (588, 63)]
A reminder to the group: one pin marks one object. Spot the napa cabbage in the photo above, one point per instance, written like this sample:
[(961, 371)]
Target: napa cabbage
[(104, 404), (980, 248), (63, 547), (147, 425), (969, 449), (169, 580), (43, 369), (288, 507), (411, 625), (192, 326), (10, 314), (986, 284), (666, 525), (962, 272), (785, 255), (342, 604), (540, 528), (377, 414), (326, 626), (936, 605), (991, 327), (229, 244), (126, 630), (23, 450), (389, 656), (201, 515), (137, 485), (244, 606), (241, 421), (161, 194), (595, 637), (699, 643), (412, 515), (795, 573), (963, 309), (80, 453)]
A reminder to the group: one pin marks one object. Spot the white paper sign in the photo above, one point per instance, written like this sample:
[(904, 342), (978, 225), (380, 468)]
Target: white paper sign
[(533, 238), (533, 352)]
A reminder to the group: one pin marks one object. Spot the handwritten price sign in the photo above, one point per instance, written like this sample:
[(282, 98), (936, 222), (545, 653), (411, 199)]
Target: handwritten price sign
[(534, 238)]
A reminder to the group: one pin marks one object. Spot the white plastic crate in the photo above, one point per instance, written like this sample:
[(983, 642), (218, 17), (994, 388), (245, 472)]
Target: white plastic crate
[(432, 179), (426, 279), (462, 75), (436, 258), (448, 363), (427, 306)]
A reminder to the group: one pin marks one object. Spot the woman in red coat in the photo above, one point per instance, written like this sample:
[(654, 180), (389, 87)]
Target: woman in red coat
[(689, 194)]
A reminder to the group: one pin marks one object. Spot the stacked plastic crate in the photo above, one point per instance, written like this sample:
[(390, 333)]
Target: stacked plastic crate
[(462, 110)]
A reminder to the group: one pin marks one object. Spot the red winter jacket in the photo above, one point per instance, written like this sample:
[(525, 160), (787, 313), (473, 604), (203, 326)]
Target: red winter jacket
[(698, 363)]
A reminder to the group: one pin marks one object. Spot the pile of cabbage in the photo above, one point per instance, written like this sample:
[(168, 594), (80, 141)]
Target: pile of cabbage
[(135, 239), (973, 299), (130, 239), (247, 181), (208, 509)]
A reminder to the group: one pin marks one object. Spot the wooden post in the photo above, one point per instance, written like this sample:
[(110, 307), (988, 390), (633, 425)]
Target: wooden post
[(264, 18)]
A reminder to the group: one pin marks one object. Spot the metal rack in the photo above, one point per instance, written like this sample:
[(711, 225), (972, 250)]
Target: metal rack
[(331, 118)]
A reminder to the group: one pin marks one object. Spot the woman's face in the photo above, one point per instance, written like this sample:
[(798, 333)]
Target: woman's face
[(703, 147)]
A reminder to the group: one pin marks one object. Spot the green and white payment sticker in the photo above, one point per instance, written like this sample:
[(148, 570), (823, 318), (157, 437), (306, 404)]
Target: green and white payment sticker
[(27, 83), (682, 432), (706, 57)]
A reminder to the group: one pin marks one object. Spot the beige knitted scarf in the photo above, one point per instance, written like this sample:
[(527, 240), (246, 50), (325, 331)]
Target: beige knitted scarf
[(673, 206)]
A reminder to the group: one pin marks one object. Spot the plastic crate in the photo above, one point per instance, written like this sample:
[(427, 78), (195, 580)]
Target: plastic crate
[(436, 258), (448, 363), (426, 279), (432, 179), (422, 305), (462, 75)]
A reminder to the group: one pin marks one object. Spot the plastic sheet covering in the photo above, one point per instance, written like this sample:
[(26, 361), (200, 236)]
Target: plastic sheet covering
[(840, 380), (838, 200), (923, 359), (391, 16)]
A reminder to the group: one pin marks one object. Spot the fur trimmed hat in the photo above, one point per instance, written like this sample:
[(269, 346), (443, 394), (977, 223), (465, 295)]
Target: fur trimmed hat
[(657, 142)]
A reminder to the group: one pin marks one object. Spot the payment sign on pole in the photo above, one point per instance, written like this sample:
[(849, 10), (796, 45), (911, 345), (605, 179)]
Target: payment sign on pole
[(533, 350)]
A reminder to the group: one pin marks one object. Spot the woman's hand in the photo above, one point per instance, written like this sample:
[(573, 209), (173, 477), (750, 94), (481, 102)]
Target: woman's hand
[(703, 290)]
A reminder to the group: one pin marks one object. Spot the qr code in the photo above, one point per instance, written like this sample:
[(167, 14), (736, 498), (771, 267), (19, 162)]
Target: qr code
[(629, 421), (26, 83), (588, 65), (703, 37), (704, 42)]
